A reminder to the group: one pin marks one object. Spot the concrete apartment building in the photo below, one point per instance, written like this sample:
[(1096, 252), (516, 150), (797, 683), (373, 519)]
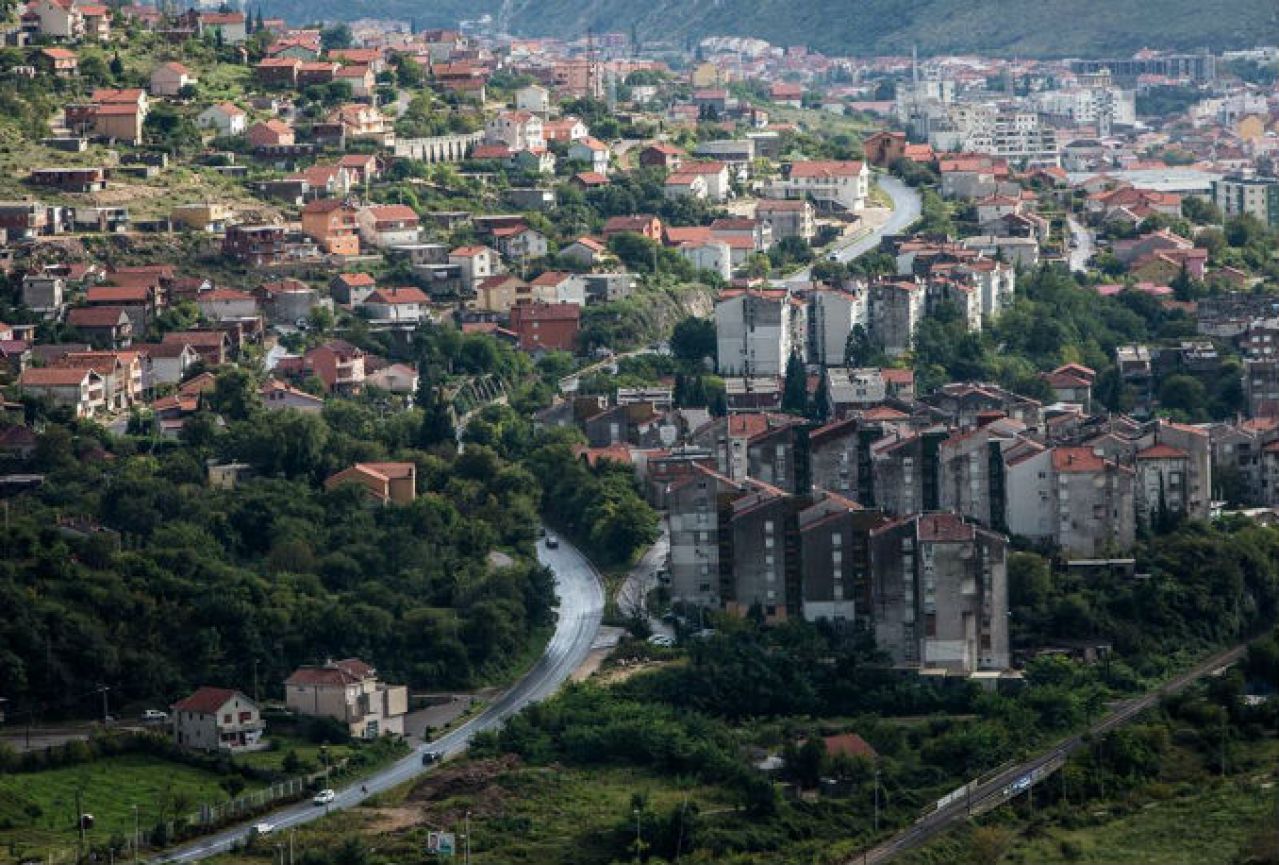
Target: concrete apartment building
[(896, 308), (1248, 196), (1073, 496), (832, 315), (348, 691), (757, 331), (939, 593)]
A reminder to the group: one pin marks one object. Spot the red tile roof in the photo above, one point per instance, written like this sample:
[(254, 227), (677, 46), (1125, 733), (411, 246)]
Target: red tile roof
[(207, 700)]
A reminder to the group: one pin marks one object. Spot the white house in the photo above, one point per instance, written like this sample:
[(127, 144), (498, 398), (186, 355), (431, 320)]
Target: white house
[(533, 98), (226, 303), (713, 255), (682, 185), (218, 719), (396, 304), (168, 79), (593, 152), (224, 118), (844, 185), (519, 242), (517, 130), (385, 225), (477, 264), (714, 173)]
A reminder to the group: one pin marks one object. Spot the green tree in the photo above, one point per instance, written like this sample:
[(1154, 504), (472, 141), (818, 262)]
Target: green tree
[(693, 340), (795, 388)]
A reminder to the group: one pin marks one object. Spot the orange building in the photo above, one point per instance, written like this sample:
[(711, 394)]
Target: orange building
[(333, 225)]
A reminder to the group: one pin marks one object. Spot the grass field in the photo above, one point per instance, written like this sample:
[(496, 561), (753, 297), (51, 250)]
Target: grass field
[(1204, 825), (37, 810), (518, 814)]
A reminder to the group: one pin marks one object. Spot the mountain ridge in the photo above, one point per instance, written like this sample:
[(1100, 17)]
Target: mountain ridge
[(996, 27)]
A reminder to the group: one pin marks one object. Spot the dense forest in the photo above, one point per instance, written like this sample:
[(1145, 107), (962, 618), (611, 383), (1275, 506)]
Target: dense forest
[(127, 569)]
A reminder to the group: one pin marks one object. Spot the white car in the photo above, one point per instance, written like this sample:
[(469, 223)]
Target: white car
[(154, 716), (324, 797), (263, 828), (661, 640)]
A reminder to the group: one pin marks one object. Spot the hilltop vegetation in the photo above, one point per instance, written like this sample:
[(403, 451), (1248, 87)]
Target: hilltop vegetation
[(1077, 27)]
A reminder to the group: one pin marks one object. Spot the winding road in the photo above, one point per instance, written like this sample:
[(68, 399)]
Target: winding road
[(581, 606), (907, 208)]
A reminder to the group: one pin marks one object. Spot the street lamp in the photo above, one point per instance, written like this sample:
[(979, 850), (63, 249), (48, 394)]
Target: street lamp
[(638, 839)]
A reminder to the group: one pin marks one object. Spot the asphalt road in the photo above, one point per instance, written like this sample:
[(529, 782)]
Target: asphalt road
[(581, 606), (1084, 247), (907, 207), (1013, 781)]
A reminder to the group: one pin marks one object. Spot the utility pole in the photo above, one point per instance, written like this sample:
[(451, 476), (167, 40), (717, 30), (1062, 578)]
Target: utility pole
[(638, 841), (79, 823), (106, 713), (876, 797), (467, 840), (137, 835), (256, 698)]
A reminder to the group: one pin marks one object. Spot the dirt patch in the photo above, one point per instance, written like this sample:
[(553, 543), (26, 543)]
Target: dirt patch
[(387, 820), (473, 783)]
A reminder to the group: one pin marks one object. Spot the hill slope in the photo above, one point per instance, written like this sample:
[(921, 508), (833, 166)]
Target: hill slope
[(1028, 27)]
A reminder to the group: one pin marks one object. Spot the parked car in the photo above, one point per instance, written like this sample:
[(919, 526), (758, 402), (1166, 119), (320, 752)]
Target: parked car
[(663, 640), (154, 716), (552, 542), (324, 797)]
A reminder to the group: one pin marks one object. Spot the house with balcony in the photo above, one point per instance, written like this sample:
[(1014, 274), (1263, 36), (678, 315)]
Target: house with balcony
[(218, 719), (81, 390), (350, 692), (333, 225)]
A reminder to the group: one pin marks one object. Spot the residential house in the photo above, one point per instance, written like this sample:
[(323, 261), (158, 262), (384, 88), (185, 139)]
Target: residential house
[(228, 27), (519, 242), (795, 218), (212, 346), (387, 225), (593, 152), (351, 289), (218, 719), (586, 251), (387, 483), (103, 325), (271, 133), (81, 390), (646, 225), (667, 157), (477, 263), (396, 305), (167, 362), (44, 294), (348, 691), (836, 185), (169, 78), (533, 98), (333, 225), (546, 327), (221, 304), (59, 62), (225, 118), (278, 396), (361, 79), (364, 122), (396, 378)]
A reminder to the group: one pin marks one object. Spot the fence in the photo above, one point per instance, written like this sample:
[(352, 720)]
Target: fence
[(250, 803)]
